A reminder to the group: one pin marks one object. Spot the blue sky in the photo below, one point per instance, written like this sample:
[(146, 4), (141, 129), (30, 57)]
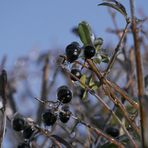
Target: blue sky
[(45, 24)]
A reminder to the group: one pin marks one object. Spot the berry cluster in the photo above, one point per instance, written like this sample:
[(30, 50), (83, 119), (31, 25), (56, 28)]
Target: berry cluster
[(64, 96), (73, 51), (49, 117), (21, 125)]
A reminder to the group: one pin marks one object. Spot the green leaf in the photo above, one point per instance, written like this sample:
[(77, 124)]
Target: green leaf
[(91, 82), (115, 5), (85, 33), (83, 81), (84, 98), (94, 84)]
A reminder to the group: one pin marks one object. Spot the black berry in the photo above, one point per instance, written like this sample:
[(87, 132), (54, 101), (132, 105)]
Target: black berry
[(76, 73), (64, 94), (49, 117), (18, 123), (27, 132), (89, 52), (112, 131), (72, 52), (64, 115), (23, 145)]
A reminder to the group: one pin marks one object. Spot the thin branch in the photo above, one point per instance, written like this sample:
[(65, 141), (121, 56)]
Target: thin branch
[(100, 133), (3, 95), (92, 92), (138, 68), (112, 60), (118, 103), (112, 85), (44, 92)]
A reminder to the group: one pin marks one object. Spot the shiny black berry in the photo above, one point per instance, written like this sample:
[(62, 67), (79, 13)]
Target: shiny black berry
[(49, 117), (76, 73), (27, 132), (89, 52), (64, 114), (112, 131), (23, 145), (64, 94), (18, 123), (72, 52)]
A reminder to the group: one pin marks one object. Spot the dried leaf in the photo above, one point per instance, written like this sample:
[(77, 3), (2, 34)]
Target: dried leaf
[(115, 5)]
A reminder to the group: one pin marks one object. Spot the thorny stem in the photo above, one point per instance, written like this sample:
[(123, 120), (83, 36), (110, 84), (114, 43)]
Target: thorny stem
[(123, 94), (103, 103), (112, 85), (118, 103), (112, 60), (94, 68), (118, 120), (139, 69), (100, 133)]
